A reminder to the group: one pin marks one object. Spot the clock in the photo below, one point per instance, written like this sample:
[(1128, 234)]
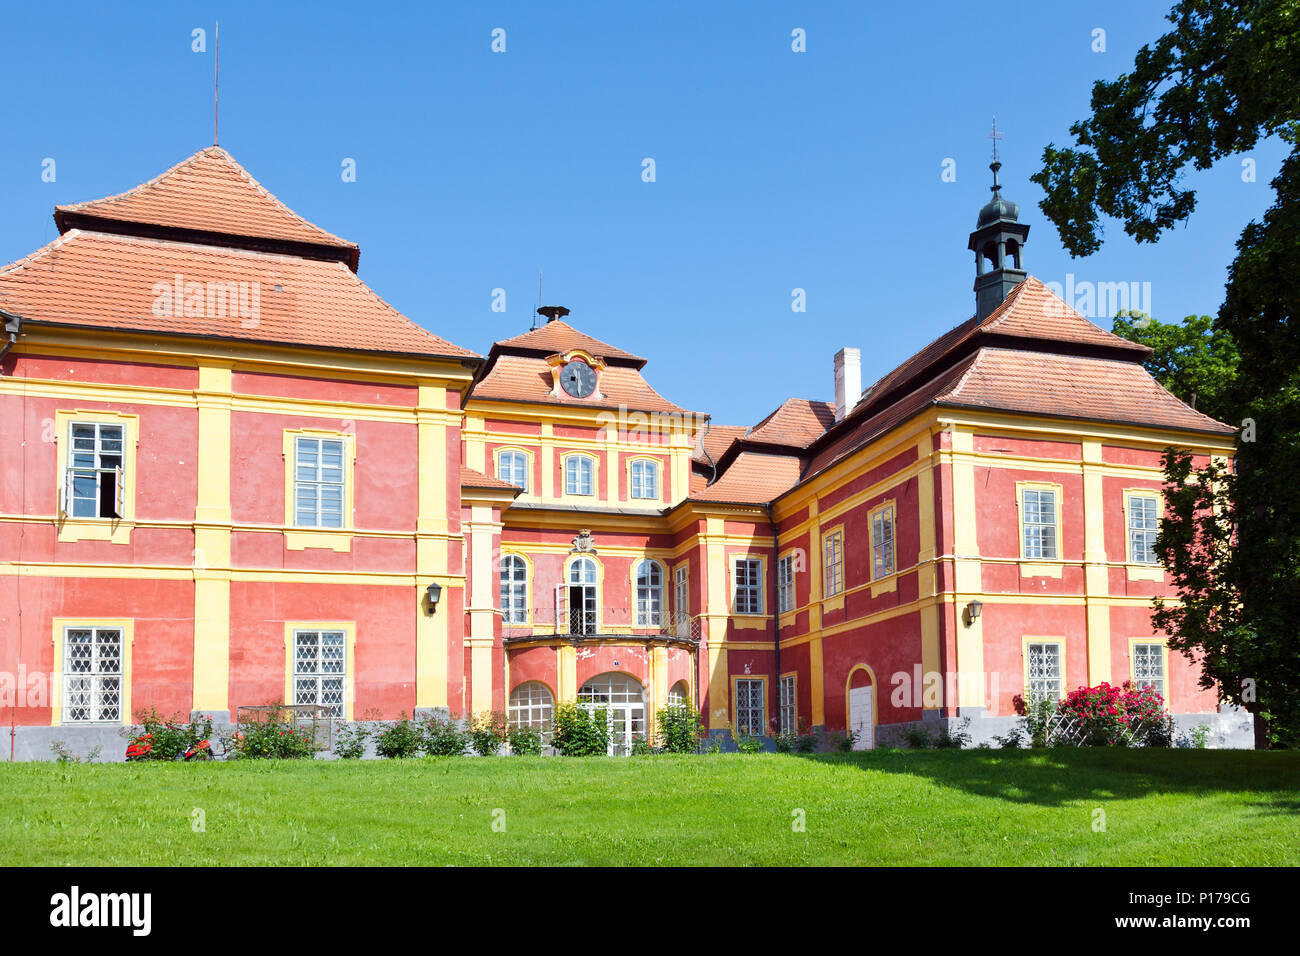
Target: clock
[(578, 378)]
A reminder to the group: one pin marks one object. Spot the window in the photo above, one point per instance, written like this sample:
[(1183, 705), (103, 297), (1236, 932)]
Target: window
[(319, 669), (1143, 523), (749, 707), (94, 482), (1149, 665), (645, 478), (1044, 677), (649, 594), (583, 613), (789, 711), (678, 695), (748, 595), (682, 594), (512, 467), (318, 482), (785, 584), (92, 674), (833, 562), (1038, 518), (882, 542), (531, 705), (579, 474), (514, 589)]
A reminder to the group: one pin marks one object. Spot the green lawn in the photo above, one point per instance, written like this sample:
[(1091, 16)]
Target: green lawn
[(937, 807)]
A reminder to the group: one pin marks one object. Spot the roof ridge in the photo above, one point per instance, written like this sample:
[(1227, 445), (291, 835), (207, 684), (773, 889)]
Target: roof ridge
[(59, 240)]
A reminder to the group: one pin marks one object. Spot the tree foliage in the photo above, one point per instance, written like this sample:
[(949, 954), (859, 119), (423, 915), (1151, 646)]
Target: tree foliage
[(1193, 359), (1226, 75)]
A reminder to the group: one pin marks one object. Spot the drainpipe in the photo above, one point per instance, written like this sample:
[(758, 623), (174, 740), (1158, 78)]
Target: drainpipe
[(12, 325), (776, 610)]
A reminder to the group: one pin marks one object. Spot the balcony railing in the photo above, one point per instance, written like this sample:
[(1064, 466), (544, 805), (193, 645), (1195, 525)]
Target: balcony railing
[(576, 624)]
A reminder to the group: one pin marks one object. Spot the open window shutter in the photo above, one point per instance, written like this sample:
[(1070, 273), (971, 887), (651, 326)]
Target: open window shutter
[(119, 505), (65, 503)]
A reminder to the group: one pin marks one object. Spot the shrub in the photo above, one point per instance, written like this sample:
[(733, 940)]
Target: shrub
[(1109, 716), (525, 741), (400, 740), (166, 738), (916, 737), (488, 733), (65, 754), (954, 737), (844, 742), (641, 747), (443, 737), (1011, 740), (579, 732), (749, 745), (806, 743), (785, 743), (350, 741), (679, 730), (274, 737)]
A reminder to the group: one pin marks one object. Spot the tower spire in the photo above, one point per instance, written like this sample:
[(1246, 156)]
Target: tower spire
[(216, 85), (998, 242)]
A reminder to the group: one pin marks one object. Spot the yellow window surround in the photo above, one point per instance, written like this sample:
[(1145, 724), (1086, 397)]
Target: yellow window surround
[(1141, 570), (887, 510), (349, 629), (658, 495), (60, 625), (300, 538), (1024, 657), (114, 530), (1039, 566)]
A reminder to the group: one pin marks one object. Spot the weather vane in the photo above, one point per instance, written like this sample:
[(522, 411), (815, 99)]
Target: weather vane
[(995, 136)]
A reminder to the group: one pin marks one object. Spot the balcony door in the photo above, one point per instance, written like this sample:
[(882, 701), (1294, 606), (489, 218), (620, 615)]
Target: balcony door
[(583, 612)]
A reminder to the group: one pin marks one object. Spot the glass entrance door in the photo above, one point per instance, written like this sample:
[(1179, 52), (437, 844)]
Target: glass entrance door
[(623, 701)]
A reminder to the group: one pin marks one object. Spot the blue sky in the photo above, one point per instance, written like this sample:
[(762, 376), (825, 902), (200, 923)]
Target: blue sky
[(775, 170)]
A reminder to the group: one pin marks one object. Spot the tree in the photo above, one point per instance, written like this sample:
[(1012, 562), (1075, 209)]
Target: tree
[(1194, 360), (1225, 76)]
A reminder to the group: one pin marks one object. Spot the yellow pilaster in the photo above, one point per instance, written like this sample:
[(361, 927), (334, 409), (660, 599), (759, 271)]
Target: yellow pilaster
[(817, 682), (431, 548), (969, 579), (717, 615), (212, 542), (926, 573), (548, 462), (481, 532), (658, 687), (1095, 573), (566, 677)]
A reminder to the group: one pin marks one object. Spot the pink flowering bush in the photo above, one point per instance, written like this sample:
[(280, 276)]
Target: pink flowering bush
[(1117, 716)]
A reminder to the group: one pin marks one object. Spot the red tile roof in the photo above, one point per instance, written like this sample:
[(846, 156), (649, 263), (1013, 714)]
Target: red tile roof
[(210, 193), (1031, 316), (469, 478), (521, 378), (753, 478), (715, 441), (559, 336), (102, 280), (797, 423)]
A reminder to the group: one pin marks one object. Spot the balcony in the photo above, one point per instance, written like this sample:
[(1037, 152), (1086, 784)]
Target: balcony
[(576, 625)]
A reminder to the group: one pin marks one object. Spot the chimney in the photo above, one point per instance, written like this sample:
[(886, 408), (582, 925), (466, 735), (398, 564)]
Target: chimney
[(848, 381), (552, 312)]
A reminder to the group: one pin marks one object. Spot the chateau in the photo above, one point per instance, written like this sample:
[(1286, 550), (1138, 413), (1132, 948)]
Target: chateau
[(233, 474)]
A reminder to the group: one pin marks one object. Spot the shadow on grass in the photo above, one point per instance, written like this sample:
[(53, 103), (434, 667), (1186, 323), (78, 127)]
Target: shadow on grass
[(1051, 777)]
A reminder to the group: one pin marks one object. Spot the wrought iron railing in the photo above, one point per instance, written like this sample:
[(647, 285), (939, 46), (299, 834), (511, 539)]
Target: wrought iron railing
[(576, 623)]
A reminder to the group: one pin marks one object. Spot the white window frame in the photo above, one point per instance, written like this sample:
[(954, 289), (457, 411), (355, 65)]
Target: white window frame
[(514, 589), (531, 705), (579, 473), (751, 590), (884, 560), (1142, 528), (311, 673), (645, 478), (649, 594), (104, 674), (1049, 687), (319, 482), (749, 713), (97, 469), (1150, 651), (785, 583), (516, 472), (1036, 532), (788, 710), (833, 563)]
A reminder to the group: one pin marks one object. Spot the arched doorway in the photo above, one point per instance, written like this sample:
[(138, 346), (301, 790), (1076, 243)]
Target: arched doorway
[(860, 697), (623, 699)]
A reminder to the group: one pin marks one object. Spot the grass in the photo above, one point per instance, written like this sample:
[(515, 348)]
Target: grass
[(1186, 807)]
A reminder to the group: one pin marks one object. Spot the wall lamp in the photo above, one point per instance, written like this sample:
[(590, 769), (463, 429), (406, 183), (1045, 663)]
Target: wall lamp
[(973, 610), (433, 592)]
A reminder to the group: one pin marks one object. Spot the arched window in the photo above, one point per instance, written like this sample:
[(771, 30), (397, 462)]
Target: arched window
[(623, 701), (579, 475), (649, 594), (512, 467), (514, 589), (531, 705), (679, 695), (645, 478), (583, 580)]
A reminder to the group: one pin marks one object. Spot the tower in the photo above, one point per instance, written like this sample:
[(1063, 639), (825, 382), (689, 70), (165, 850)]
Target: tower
[(998, 242)]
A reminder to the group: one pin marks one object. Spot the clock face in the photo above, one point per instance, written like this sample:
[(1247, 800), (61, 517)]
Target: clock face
[(578, 379)]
